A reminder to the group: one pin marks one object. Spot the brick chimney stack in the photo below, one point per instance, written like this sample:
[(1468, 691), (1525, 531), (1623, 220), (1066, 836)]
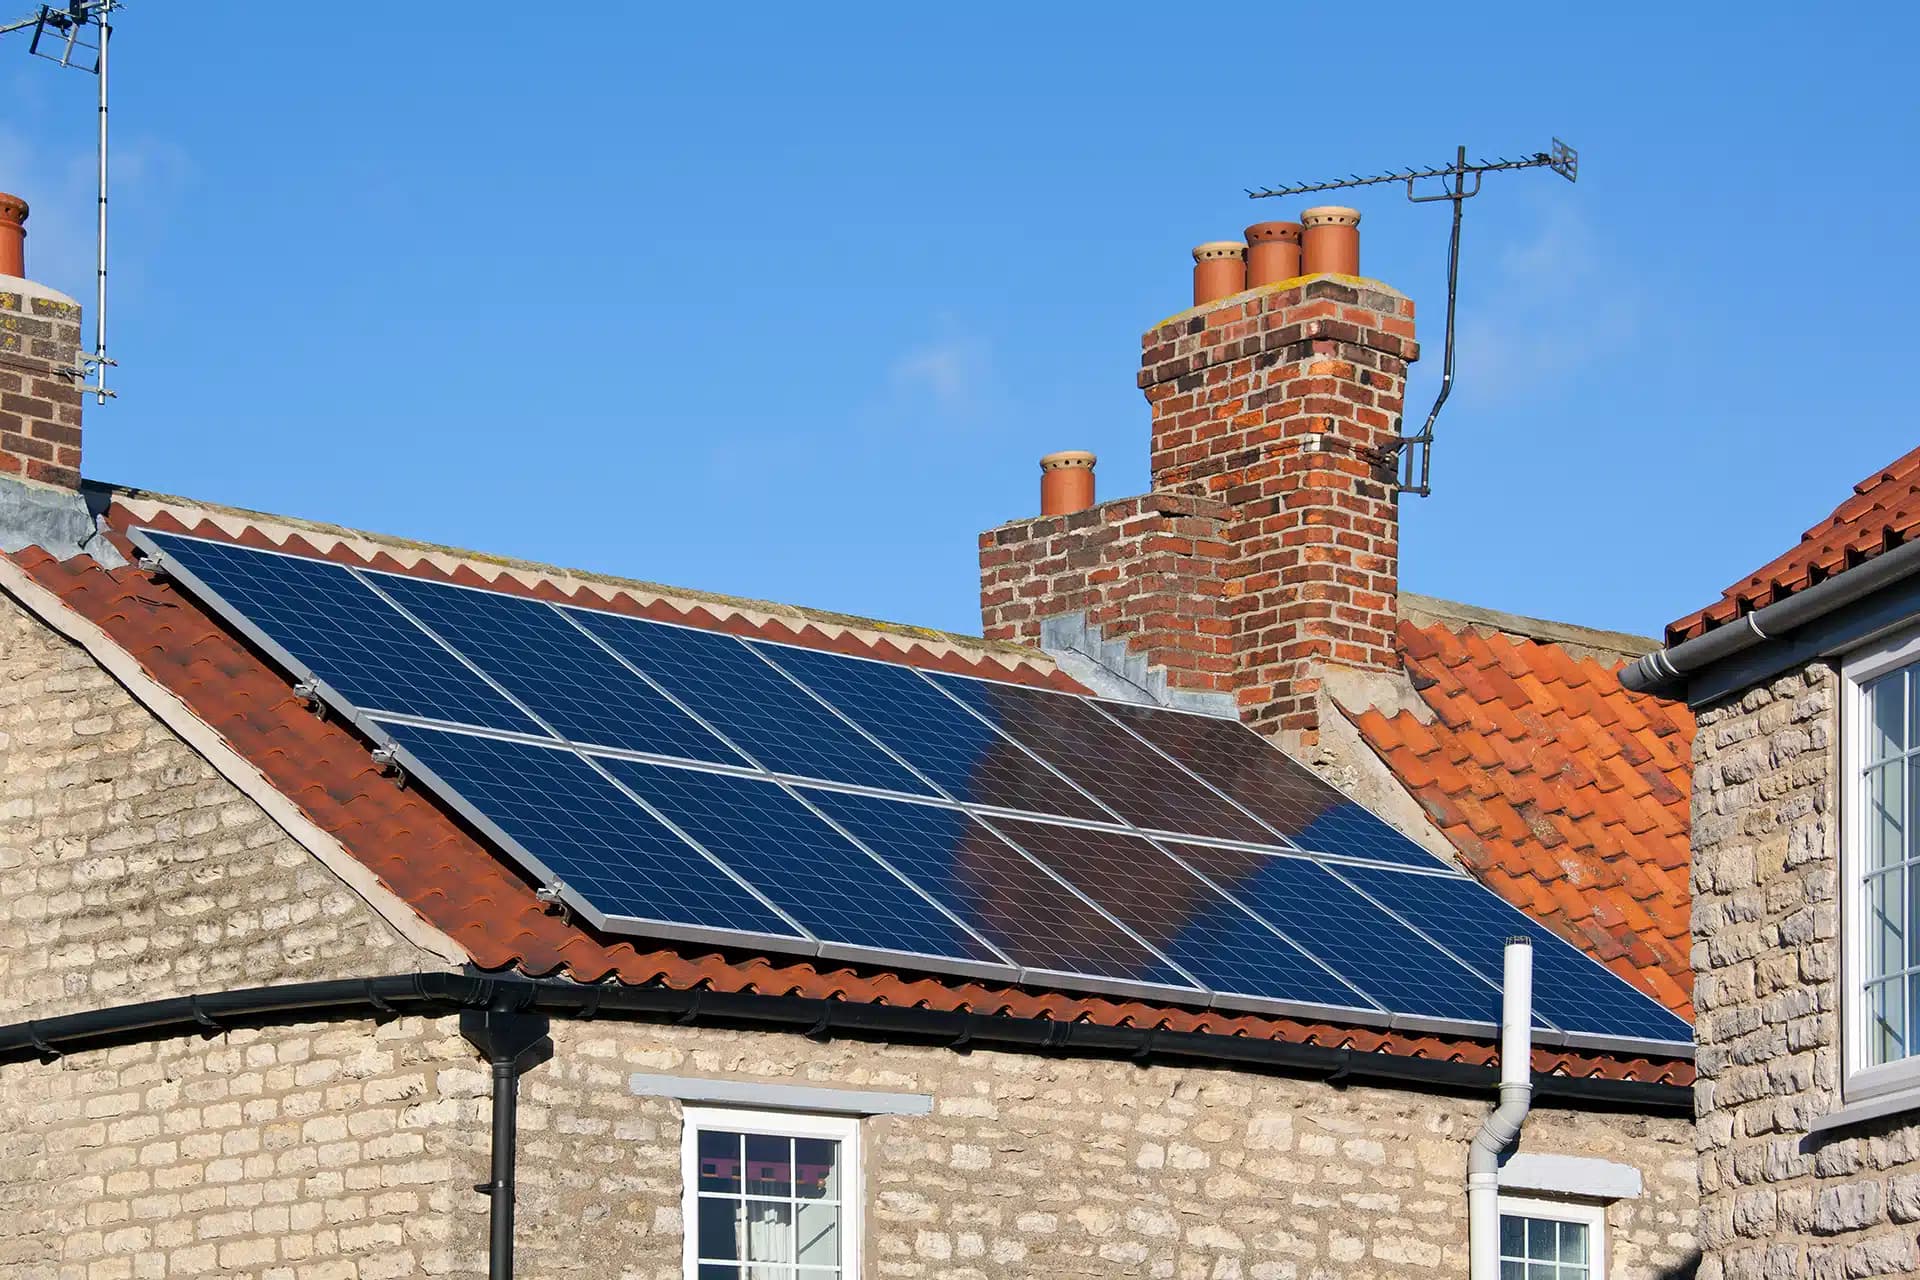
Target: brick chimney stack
[(39, 347), (1267, 552)]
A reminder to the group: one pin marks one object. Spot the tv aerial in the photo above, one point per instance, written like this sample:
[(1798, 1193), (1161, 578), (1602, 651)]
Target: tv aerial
[(1459, 182), (75, 35)]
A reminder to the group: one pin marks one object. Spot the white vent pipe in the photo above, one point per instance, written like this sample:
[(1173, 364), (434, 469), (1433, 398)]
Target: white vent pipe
[(1501, 1129)]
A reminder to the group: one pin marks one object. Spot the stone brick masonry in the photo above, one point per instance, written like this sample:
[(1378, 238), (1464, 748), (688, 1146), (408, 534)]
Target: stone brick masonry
[(39, 408), (1776, 1203)]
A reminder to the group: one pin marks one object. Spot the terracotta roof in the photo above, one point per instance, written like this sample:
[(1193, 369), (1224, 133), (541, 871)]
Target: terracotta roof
[(1883, 512), (1563, 792), (428, 858)]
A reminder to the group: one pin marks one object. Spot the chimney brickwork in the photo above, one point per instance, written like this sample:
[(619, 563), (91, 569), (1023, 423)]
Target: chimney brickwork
[(1268, 549), (39, 399)]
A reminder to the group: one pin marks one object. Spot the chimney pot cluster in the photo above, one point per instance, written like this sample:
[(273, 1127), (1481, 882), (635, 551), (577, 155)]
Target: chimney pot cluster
[(1326, 240), (13, 235)]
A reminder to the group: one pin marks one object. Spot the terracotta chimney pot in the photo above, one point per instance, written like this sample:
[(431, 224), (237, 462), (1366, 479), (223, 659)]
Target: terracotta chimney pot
[(1066, 482), (1331, 242), (13, 235), (1219, 270), (1273, 253)]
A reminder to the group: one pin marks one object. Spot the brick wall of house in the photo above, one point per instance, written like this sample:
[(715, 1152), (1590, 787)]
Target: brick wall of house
[(130, 870), (351, 1150), (39, 406), (1775, 1202), (1279, 406)]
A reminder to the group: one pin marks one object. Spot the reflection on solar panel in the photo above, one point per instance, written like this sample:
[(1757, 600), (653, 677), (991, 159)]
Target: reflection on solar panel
[(1277, 789), (686, 784)]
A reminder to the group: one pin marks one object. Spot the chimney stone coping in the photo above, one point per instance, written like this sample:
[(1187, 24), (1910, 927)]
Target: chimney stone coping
[(33, 290)]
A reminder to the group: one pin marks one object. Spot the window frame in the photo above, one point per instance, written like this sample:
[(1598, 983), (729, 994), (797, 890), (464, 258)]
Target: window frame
[(1861, 1078), (1590, 1214), (844, 1129)]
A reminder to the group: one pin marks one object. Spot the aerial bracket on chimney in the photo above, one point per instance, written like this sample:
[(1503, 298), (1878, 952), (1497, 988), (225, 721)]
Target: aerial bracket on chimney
[(1412, 455), (76, 35)]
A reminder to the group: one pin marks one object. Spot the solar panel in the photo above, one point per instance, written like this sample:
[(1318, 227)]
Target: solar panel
[(755, 706), (830, 887), (556, 669), (1005, 897), (331, 624), (664, 780), (1569, 988), (1277, 789), (1383, 958), (1110, 764), (960, 753), (1220, 943), (577, 827)]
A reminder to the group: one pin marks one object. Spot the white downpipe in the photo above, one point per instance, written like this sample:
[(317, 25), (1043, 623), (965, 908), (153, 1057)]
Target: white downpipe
[(1501, 1128)]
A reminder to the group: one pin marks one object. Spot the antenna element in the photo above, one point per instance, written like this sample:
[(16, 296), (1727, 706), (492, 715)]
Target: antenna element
[(1413, 455), (61, 33)]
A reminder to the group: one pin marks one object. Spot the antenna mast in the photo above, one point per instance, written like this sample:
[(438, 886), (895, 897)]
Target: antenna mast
[(61, 34), (1413, 454)]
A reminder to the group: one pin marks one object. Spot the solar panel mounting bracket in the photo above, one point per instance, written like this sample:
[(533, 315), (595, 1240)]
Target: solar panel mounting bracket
[(553, 900)]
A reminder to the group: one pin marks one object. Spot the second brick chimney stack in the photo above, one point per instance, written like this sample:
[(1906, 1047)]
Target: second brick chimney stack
[(39, 350), (1267, 552)]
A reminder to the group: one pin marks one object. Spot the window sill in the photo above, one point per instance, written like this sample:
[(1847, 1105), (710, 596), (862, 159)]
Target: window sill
[(1866, 1109)]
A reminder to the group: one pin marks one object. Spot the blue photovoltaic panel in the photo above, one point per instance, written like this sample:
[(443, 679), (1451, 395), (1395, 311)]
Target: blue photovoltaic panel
[(345, 634), (962, 755), (556, 669), (1000, 894), (803, 866), (1118, 769), (586, 832), (1569, 988), (1277, 789), (1359, 941), (1208, 936), (757, 708)]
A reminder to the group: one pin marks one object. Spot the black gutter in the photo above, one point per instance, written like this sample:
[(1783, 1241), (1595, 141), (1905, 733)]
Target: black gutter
[(434, 994)]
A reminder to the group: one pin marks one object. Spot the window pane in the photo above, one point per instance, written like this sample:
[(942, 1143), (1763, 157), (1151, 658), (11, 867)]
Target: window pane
[(769, 1165), (1508, 1270), (769, 1230), (1887, 1030), (719, 1273), (1513, 1236), (1885, 819), (1886, 716), (1573, 1242), (719, 1161), (1540, 1240), (819, 1231), (816, 1168), (719, 1228), (1886, 949)]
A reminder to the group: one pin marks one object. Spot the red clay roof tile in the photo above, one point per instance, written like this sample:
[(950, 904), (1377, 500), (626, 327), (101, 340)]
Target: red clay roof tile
[(1571, 802), (1883, 513)]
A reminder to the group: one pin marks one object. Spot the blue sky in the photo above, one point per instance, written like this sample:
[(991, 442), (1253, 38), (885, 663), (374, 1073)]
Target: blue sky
[(787, 302)]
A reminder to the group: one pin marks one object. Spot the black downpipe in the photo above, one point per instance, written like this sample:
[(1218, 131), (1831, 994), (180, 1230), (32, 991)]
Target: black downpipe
[(514, 1042), (437, 994)]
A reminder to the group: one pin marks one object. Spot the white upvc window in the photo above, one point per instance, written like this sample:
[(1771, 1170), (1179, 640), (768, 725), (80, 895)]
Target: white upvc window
[(770, 1195), (1880, 867), (1552, 1239)]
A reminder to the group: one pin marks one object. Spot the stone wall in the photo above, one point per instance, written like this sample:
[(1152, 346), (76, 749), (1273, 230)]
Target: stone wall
[(351, 1150), (1775, 1202), (130, 870)]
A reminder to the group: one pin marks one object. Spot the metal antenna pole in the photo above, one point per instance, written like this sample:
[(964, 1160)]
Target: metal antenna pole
[(1416, 474), (104, 18)]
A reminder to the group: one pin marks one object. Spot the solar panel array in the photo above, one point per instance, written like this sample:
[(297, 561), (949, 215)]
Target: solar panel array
[(686, 784)]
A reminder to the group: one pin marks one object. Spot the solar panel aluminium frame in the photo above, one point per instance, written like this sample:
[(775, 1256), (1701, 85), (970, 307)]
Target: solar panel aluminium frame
[(313, 686)]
